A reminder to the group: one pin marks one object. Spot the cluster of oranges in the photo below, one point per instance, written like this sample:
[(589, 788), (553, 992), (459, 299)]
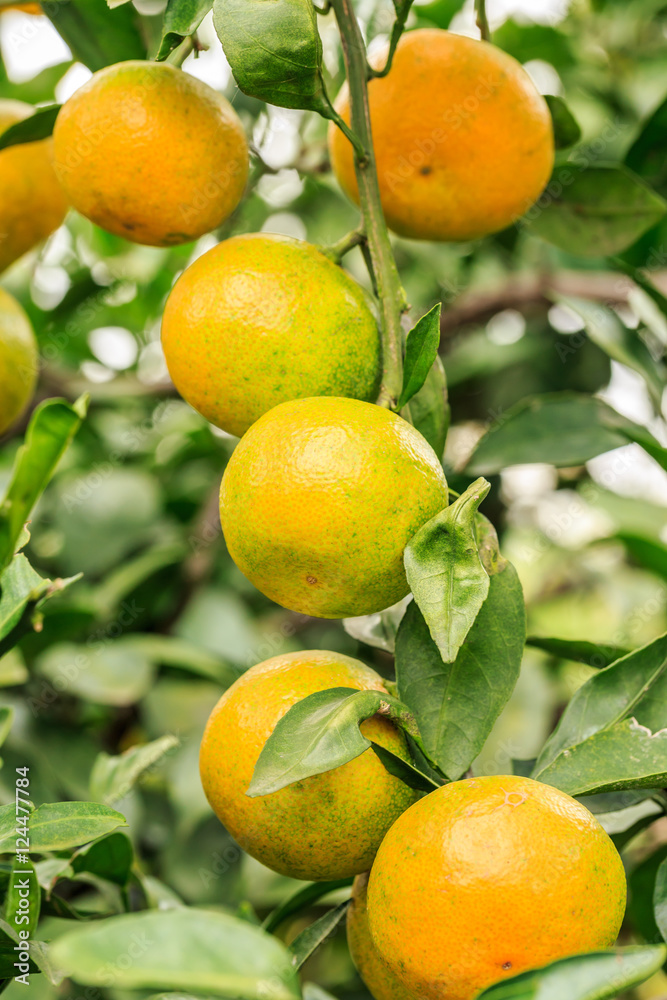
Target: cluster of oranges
[(273, 342)]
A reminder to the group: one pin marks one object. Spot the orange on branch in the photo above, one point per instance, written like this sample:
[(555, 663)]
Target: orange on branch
[(18, 360)]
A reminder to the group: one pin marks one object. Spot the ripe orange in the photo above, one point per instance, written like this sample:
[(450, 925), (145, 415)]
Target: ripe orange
[(485, 878), (26, 8), (150, 153), (463, 140), (32, 203), (319, 500), (18, 360), (259, 320), (324, 827), (380, 981)]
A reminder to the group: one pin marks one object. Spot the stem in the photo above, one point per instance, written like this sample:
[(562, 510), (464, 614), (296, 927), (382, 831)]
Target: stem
[(336, 251), (178, 56), (396, 32), (385, 272), (482, 20)]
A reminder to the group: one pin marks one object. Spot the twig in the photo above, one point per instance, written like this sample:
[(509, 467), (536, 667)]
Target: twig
[(336, 251), (402, 11), (482, 20)]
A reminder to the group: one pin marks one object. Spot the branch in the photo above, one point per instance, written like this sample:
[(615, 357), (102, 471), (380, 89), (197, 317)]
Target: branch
[(402, 11), (482, 20)]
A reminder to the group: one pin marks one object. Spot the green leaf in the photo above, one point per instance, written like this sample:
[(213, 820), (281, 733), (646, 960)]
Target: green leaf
[(112, 673), (579, 650), (421, 350), (404, 770), (23, 889), (6, 720), (301, 899), (429, 408), (635, 685), (379, 629), (647, 552), (597, 976), (660, 899), (22, 594), (596, 211), (319, 733), (566, 128), (39, 953), (56, 826), (113, 777), (274, 50), (180, 949), (457, 703), (8, 825), (647, 155), (35, 127), (445, 570), (181, 18), (605, 329), (309, 940), (563, 429), (52, 426), (96, 35), (110, 858)]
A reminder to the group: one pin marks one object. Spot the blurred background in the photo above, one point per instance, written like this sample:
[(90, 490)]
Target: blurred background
[(162, 621)]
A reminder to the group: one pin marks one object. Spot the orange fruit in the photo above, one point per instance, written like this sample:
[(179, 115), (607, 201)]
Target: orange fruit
[(327, 826), (380, 981), (25, 8), (32, 203), (18, 360), (487, 877), (463, 140), (262, 319), (319, 500), (150, 153)]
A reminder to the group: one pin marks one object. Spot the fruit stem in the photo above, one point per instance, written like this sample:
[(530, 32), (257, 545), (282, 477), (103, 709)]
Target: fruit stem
[(402, 11), (384, 271), (178, 56), (482, 20), (336, 251)]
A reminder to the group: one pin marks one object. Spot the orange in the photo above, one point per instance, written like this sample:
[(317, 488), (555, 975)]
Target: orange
[(380, 981), (32, 203), (485, 878), (26, 8), (150, 153), (18, 360), (262, 319), (319, 500), (327, 826), (463, 140)]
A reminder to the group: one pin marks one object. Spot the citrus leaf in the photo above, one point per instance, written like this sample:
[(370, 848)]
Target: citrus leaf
[(22, 593), (579, 650), (8, 825), (403, 769), (52, 426), (37, 126), (56, 826), (457, 703), (430, 410), (421, 349), (650, 553), (647, 155), (181, 18), (446, 573), (113, 777), (39, 953), (96, 35), (110, 858), (6, 720), (180, 949), (322, 732), (596, 211), (274, 50), (563, 429), (379, 629), (566, 128), (660, 899), (300, 899), (23, 885), (309, 940), (599, 975)]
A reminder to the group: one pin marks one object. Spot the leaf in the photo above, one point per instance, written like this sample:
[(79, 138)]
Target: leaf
[(635, 685), (23, 889), (579, 650), (563, 429), (274, 50), (105, 673), (319, 733), (309, 940), (597, 976), (605, 329), (379, 629), (96, 35), (110, 858), (647, 155), (8, 826), (6, 720), (404, 770), (31, 129), (52, 426), (22, 594), (113, 777), (181, 18), (596, 211), (56, 826), (566, 127), (445, 571), (429, 408), (641, 887), (660, 899), (180, 949), (301, 899), (421, 350), (39, 953), (457, 703), (650, 553)]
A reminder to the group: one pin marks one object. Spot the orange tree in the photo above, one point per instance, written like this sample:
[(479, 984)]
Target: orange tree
[(489, 872)]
